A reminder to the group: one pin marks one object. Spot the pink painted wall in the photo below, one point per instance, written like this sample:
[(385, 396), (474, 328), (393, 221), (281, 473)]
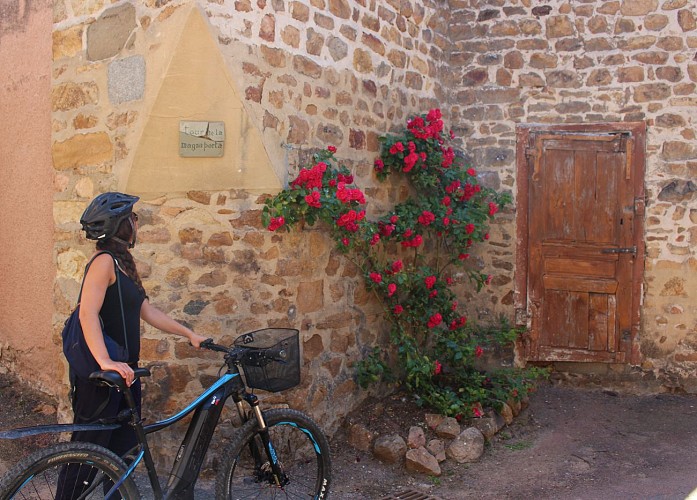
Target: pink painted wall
[(27, 270)]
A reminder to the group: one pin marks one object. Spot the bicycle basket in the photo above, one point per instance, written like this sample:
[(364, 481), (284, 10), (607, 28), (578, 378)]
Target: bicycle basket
[(272, 358)]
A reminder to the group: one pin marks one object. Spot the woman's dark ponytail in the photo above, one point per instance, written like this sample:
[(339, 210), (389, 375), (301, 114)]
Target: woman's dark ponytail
[(120, 251)]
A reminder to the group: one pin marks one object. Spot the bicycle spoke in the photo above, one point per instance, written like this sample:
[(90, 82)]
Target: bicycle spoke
[(300, 449), (67, 471)]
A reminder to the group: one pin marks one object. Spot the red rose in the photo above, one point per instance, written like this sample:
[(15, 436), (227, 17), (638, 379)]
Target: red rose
[(276, 222), (426, 218), (437, 367), (435, 320), (430, 281)]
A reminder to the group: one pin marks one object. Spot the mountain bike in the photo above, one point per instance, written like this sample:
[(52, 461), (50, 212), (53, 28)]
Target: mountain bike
[(277, 453)]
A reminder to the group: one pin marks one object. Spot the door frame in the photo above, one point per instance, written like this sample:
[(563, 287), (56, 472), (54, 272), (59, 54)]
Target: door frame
[(628, 346)]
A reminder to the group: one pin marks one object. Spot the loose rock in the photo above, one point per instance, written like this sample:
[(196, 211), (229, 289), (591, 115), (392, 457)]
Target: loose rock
[(507, 413), (448, 428), (417, 438), (488, 426), (467, 447), (436, 447), (360, 437), (389, 449), (433, 420), (420, 460)]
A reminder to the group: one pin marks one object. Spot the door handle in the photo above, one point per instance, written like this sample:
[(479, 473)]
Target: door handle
[(631, 250)]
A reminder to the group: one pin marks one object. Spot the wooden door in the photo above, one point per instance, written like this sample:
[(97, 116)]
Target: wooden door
[(584, 209)]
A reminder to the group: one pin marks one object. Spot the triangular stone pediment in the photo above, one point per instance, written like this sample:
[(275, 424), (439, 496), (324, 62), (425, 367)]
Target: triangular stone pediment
[(196, 86)]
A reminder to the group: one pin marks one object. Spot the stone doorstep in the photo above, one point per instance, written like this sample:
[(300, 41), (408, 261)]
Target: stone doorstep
[(410, 495)]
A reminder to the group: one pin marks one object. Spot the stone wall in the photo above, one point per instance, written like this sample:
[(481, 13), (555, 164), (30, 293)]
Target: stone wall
[(316, 72), (583, 62), (312, 74)]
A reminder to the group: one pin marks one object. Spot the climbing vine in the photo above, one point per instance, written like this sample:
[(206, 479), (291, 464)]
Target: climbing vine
[(412, 258)]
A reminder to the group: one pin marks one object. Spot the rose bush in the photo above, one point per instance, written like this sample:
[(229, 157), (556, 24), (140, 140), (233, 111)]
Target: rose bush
[(412, 258)]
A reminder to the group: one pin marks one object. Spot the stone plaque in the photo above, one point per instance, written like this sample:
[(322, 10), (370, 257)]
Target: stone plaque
[(201, 139)]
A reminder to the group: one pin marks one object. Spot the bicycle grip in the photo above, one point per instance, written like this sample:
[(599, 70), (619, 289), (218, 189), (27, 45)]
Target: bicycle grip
[(210, 345)]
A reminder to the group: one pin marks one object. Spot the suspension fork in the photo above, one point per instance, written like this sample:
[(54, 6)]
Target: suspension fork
[(278, 475)]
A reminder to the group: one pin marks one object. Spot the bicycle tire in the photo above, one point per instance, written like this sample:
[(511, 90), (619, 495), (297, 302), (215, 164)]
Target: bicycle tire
[(37, 476), (301, 448)]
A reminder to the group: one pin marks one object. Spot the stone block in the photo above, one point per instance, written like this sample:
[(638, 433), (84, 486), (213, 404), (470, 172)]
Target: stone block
[(313, 347), (126, 79), (108, 35), (638, 7), (306, 66), (310, 296), (82, 150), (686, 20), (559, 26), (70, 95), (360, 437), (362, 61), (267, 30), (340, 8), (488, 426), (449, 428), (468, 446), (421, 461), (67, 43), (390, 449), (436, 447), (507, 413), (416, 438), (433, 420)]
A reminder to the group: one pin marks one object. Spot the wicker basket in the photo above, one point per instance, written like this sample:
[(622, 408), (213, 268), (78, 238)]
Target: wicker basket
[(272, 361)]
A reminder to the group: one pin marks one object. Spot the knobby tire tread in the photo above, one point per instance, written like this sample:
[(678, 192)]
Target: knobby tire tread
[(247, 432), (47, 458)]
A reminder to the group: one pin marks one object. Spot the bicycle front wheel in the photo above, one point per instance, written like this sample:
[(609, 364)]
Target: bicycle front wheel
[(68, 471), (301, 450)]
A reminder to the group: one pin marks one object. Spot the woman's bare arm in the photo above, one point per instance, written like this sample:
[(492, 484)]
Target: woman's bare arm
[(160, 320)]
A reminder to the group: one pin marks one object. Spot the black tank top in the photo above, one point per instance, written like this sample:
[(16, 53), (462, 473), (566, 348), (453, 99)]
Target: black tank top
[(111, 314)]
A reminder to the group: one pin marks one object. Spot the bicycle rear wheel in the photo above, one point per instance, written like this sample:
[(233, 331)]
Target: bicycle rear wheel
[(68, 471), (302, 451)]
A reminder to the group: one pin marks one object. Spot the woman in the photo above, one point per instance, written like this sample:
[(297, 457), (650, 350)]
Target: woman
[(110, 220)]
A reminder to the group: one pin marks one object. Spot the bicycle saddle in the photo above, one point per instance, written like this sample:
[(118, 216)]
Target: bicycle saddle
[(113, 379)]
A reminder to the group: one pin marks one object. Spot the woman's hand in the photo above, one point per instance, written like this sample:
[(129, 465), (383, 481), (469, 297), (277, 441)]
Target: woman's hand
[(195, 339), (123, 369)]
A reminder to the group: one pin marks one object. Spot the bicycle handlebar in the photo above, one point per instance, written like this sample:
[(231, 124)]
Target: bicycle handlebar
[(237, 352), (210, 345)]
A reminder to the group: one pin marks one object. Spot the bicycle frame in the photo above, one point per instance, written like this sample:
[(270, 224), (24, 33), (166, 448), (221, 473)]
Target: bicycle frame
[(207, 409)]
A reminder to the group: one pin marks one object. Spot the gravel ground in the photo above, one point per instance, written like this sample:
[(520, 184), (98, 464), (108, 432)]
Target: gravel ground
[(570, 443)]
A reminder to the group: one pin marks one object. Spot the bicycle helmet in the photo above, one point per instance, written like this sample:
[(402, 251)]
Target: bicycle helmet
[(102, 217)]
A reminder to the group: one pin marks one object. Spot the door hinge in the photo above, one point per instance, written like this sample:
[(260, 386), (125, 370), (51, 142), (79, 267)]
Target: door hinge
[(631, 250)]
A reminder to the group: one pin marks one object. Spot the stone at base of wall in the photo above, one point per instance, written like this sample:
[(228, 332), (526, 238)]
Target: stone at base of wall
[(623, 378), (440, 439)]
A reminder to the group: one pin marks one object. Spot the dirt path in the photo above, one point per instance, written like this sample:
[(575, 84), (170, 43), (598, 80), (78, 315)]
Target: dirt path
[(570, 443)]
